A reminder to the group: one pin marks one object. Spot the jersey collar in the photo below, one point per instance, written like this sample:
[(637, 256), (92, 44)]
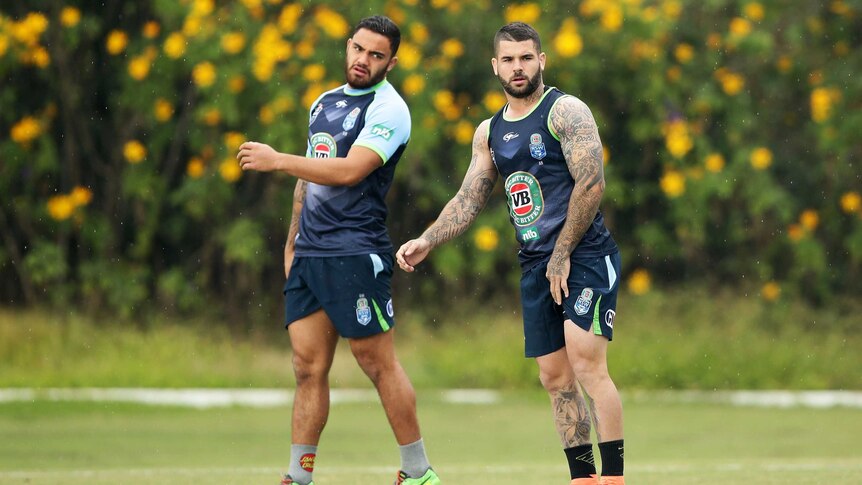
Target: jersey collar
[(351, 91)]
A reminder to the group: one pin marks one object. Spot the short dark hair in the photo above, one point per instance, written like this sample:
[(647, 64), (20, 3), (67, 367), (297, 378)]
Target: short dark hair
[(383, 26), (517, 32)]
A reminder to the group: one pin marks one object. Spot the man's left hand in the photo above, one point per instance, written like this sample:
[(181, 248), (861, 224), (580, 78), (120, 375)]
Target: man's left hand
[(257, 156)]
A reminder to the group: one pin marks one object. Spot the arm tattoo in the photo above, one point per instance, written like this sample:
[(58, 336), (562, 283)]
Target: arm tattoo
[(579, 138), (298, 201), (471, 198), (570, 416)]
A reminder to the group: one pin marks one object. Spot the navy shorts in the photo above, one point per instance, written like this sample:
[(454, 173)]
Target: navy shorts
[(591, 305), (354, 291)]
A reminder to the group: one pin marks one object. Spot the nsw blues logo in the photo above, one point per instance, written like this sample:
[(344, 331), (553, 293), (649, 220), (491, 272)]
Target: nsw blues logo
[(584, 302), (363, 311), (350, 119), (537, 147)]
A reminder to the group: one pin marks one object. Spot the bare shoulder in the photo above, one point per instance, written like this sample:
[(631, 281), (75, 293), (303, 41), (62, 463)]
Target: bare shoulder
[(570, 115), (480, 137)]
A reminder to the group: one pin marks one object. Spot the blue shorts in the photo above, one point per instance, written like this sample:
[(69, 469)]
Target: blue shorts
[(591, 305), (354, 291)]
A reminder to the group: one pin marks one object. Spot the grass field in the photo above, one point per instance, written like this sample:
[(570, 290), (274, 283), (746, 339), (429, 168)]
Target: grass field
[(508, 442)]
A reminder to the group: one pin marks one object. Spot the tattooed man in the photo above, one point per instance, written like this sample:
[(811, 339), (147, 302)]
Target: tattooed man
[(545, 146)]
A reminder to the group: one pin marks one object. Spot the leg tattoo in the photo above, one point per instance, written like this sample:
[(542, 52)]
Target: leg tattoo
[(570, 415)]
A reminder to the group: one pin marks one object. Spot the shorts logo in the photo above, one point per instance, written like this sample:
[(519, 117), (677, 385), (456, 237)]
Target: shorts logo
[(306, 461), (537, 148), (529, 234), (525, 198), (316, 112), (585, 300), (350, 120), (382, 131), (609, 318), (389, 309), (323, 145), (363, 311)]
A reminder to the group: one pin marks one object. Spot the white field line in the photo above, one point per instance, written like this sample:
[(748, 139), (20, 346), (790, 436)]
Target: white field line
[(208, 398), (481, 469)]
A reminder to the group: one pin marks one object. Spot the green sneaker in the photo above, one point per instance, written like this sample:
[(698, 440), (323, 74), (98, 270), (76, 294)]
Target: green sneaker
[(286, 480), (429, 478)]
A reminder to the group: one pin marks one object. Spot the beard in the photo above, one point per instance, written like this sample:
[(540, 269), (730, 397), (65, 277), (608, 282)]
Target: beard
[(362, 83), (528, 89)]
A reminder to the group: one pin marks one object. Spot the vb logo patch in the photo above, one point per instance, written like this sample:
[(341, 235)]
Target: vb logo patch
[(525, 198), (584, 301), (323, 145), (363, 311), (306, 461)]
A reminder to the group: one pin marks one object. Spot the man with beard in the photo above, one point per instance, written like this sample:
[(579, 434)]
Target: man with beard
[(545, 145), (338, 257)]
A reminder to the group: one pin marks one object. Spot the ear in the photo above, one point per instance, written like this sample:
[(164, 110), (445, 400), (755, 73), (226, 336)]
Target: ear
[(542, 61), (392, 63), (494, 65), (349, 42)]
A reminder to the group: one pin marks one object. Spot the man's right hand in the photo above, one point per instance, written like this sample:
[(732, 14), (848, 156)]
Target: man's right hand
[(288, 261), (412, 253)]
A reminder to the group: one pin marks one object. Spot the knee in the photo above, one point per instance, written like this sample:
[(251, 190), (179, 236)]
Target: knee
[(370, 362), (307, 368), (553, 379)]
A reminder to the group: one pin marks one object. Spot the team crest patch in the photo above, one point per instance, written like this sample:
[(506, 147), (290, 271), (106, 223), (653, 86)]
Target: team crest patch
[(390, 310), (525, 198), (306, 461), (316, 112), (363, 311), (323, 145), (537, 148), (350, 120), (585, 300)]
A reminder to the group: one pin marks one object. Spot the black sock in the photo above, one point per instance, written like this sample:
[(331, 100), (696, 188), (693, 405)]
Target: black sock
[(612, 458), (582, 464)]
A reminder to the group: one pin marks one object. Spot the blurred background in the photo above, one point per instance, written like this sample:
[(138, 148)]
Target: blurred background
[(130, 237)]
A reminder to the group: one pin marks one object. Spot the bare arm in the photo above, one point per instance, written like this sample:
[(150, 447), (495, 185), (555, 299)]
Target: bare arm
[(338, 171), (460, 212), (293, 230), (579, 137)]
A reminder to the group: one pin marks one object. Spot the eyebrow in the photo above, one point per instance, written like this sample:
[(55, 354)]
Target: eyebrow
[(381, 54)]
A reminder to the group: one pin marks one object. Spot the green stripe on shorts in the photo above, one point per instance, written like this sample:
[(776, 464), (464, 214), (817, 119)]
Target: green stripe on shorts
[(597, 327), (383, 324)]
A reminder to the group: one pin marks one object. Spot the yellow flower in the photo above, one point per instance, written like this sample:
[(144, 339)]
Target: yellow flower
[(822, 100), (713, 41), (266, 115), (493, 101), (232, 42), (761, 158), (134, 151), (331, 23), (70, 16), (677, 138), (527, 13), (313, 72), (795, 232), (672, 9), (413, 85), (770, 291), (784, 64), (212, 117), (195, 168), (673, 184), (486, 238), (568, 42), (409, 56), (26, 130), (163, 110), (464, 132), (36, 56), (305, 49), (418, 32), (151, 29), (175, 45), (229, 170), (809, 219), (753, 11), (311, 94), (684, 53), (851, 202), (236, 84), (60, 207), (740, 27), (204, 74), (289, 18), (841, 48), (282, 104), (232, 140), (81, 196), (116, 42), (612, 18), (202, 8), (452, 48), (4, 42), (714, 162), (30, 29), (731, 82), (139, 67), (606, 155), (639, 282), (444, 102), (673, 73)]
